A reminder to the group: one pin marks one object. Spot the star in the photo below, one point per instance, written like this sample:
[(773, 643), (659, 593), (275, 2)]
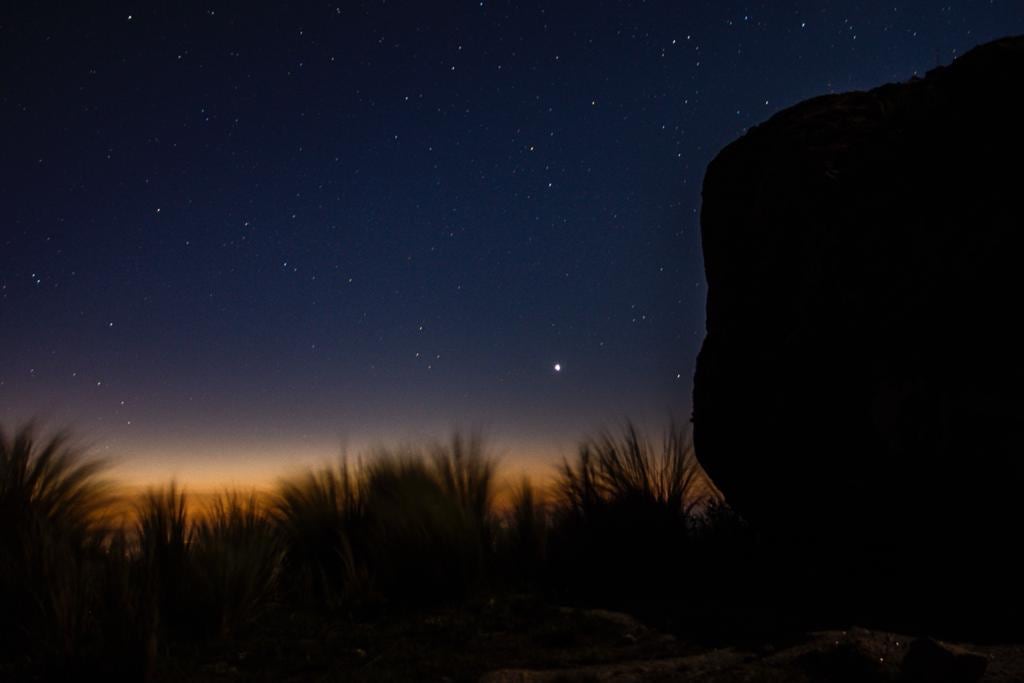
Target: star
[(558, 367)]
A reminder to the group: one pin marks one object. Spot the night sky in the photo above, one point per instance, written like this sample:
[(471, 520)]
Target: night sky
[(235, 239)]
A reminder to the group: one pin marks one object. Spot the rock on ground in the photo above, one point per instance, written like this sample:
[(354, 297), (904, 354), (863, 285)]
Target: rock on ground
[(848, 656)]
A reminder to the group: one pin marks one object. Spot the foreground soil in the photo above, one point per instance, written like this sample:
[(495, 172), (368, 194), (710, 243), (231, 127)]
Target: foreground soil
[(524, 641)]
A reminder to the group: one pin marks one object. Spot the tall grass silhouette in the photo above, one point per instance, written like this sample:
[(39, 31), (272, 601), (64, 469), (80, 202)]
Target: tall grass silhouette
[(466, 474), (429, 520), (235, 562), (317, 516), (625, 510), (164, 537), (523, 536), (616, 470), (405, 526), (401, 530), (52, 495)]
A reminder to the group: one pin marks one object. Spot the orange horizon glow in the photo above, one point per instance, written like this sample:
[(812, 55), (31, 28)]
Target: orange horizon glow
[(132, 482), (207, 470), (215, 468)]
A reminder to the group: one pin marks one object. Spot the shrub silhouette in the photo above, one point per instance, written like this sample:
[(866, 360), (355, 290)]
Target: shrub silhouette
[(465, 473), (235, 562), (623, 519), (404, 529), (51, 502), (407, 526), (429, 521), (124, 612), (164, 536), (523, 536), (317, 515)]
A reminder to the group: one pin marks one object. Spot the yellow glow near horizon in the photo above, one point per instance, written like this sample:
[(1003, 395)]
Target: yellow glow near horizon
[(210, 467)]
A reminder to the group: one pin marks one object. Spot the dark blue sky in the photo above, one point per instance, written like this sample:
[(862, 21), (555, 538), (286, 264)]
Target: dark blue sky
[(235, 237)]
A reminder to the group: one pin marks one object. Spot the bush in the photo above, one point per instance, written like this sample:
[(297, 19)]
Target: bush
[(429, 521), (51, 502), (465, 473), (235, 562), (164, 535), (522, 541), (407, 526), (623, 516), (317, 514), (626, 528)]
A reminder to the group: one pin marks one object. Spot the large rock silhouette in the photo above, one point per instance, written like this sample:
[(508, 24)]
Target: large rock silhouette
[(861, 380)]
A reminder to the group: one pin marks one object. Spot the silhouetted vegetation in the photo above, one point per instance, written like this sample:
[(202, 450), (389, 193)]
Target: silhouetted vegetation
[(235, 561), (399, 531), (317, 515), (625, 514), (428, 522), (522, 537), (51, 500)]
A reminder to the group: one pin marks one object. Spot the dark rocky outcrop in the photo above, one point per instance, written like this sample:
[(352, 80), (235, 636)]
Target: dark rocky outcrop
[(929, 661), (861, 385), (854, 655)]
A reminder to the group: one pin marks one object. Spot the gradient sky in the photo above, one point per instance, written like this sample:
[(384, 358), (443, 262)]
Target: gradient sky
[(233, 239)]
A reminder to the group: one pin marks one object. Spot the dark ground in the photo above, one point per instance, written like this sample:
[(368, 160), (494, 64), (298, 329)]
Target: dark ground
[(521, 639)]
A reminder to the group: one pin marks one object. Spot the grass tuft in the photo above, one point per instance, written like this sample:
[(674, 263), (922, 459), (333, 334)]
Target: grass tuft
[(624, 514), (422, 545), (235, 562), (316, 515), (52, 497), (523, 539)]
